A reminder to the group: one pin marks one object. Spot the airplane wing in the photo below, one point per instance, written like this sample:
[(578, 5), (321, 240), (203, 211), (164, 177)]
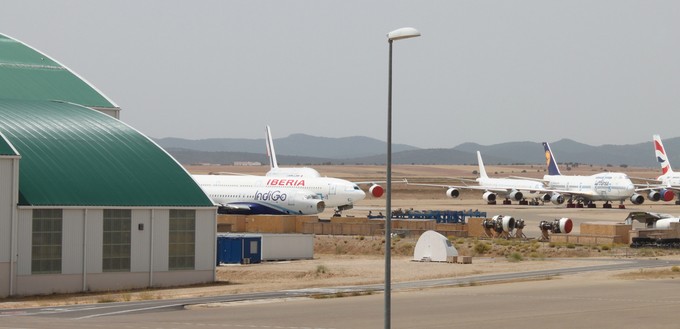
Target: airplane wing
[(527, 178), (372, 182), (234, 209), (496, 189)]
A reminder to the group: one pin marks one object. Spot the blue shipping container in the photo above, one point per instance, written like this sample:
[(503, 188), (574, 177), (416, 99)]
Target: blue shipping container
[(239, 249)]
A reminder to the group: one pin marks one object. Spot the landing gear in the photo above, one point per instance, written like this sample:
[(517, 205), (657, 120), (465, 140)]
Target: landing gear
[(607, 205), (621, 205), (507, 201), (571, 204), (523, 202)]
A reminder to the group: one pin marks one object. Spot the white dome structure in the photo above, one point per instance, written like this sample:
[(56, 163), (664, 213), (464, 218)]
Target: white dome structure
[(433, 247)]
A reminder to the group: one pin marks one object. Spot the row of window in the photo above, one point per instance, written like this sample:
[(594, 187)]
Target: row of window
[(116, 247)]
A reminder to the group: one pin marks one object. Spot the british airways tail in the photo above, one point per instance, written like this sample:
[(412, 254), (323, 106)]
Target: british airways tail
[(482, 171), (550, 161), (661, 156), (271, 154)]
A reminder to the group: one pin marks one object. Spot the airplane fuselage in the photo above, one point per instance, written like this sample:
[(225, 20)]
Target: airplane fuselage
[(671, 178), (333, 191), (505, 183), (241, 195), (598, 187)]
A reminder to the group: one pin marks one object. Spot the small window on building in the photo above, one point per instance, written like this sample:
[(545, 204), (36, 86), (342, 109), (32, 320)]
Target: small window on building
[(116, 242), (182, 239), (46, 241)]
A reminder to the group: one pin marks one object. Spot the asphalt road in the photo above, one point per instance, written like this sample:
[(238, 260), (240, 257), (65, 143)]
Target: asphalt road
[(442, 303)]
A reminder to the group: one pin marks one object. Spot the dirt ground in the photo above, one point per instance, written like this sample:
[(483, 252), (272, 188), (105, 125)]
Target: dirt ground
[(342, 260)]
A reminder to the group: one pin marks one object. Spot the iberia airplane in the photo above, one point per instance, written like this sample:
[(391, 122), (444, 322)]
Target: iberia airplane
[(337, 193), (261, 195)]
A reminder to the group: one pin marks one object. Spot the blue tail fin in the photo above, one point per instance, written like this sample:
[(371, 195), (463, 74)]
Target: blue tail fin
[(550, 161)]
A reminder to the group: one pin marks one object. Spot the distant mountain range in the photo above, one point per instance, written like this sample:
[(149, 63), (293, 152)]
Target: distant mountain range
[(301, 149)]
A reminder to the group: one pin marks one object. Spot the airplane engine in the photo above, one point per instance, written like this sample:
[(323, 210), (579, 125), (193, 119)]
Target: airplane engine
[(653, 196), (320, 206), (665, 222), (637, 199), (546, 197), (516, 195), (557, 199), (667, 195), (489, 196), (562, 225), (376, 190), (503, 223), (452, 193)]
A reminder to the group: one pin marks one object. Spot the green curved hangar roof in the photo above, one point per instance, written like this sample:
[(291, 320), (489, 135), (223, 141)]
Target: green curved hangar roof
[(76, 156), (28, 74)]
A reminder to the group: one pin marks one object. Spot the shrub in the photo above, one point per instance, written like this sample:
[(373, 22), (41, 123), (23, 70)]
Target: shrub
[(515, 257), (482, 248)]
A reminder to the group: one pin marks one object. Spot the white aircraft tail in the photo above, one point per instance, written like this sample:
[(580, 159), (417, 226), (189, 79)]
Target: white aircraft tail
[(482, 171), (271, 154), (661, 156)]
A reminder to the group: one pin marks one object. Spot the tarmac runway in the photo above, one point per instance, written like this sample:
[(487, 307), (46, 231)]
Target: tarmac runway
[(559, 298), (569, 302)]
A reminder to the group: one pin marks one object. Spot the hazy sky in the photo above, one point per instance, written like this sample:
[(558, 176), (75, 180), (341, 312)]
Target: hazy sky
[(599, 72)]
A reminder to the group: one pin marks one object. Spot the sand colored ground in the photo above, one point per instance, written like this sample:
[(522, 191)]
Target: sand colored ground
[(360, 260)]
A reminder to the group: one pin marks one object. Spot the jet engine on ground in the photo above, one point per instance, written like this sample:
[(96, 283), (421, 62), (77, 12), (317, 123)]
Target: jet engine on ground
[(376, 190), (561, 225), (499, 225), (452, 193)]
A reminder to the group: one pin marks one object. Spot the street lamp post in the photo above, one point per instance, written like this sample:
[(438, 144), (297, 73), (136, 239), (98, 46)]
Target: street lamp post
[(398, 34)]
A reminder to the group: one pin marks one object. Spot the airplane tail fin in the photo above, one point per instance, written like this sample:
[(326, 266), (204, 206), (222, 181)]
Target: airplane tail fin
[(550, 161), (661, 156), (482, 171), (271, 154)]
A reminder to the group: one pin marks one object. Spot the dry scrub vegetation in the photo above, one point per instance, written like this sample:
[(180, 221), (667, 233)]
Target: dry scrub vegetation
[(512, 249)]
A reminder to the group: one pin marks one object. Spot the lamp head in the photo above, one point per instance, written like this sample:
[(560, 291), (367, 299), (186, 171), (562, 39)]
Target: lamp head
[(403, 33)]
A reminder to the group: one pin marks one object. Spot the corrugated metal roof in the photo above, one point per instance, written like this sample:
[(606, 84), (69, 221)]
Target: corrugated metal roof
[(6, 148), (76, 156), (30, 75)]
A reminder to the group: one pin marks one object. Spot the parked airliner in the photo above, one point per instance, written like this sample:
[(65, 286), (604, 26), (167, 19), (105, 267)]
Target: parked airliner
[(339, 194), (262, 195), (606, 186), (669, 179), (509, 188)]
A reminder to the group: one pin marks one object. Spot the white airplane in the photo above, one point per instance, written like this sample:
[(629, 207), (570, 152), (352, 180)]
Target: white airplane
[(669, 179), (509, 188), (606, 186), (337, 193), (261, 195)]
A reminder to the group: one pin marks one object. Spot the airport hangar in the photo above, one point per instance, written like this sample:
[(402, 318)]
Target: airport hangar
[(88, 203)]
